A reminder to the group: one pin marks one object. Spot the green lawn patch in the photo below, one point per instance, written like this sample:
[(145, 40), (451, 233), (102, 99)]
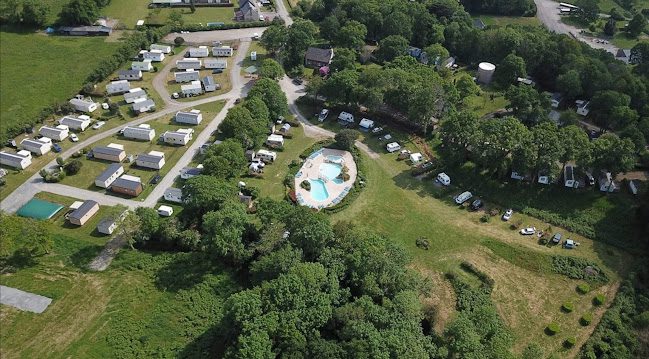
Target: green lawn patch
[(203, 15), (535, 262), (128, 12), (509, 20)]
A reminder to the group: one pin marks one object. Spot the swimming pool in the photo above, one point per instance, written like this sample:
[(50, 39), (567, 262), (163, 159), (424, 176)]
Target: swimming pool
[(330, 170), (318, 190), (335, 159)]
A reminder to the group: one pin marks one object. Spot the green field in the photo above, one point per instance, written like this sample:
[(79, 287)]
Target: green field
[(203, 15), (127, 11), (38, 70)]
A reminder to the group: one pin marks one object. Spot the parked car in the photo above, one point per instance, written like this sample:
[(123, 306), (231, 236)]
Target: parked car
[(56, 147), (508, 214), (74, 137), (237, 101), (463, 197), (570, 244), (323, 115), (477, 204), (217, 71), (89, 155), (98, 125), (528, 231), (175, 95), (156, 179), (556, 239)]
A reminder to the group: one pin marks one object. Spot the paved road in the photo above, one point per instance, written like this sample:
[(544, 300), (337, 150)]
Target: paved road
[(207, 37), (283, 12), (160, 80), (23, 300), (548, 12)]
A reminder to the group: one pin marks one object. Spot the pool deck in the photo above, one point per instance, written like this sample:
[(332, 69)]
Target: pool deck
[(311, 170)]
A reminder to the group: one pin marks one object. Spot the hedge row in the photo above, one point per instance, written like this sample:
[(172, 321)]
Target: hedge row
[(236, 25), (576, 268)]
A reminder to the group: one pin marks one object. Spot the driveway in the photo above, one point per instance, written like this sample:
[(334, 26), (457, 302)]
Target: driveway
[(207, 37)]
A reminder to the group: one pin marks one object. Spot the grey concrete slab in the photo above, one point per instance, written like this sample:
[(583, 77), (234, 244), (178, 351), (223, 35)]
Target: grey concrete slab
[(23, 300)]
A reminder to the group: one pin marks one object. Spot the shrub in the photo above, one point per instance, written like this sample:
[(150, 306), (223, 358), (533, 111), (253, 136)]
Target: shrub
[(60, 161), (306, 185), (583, 288), (77, 154), (568, 307), (179, 41), (494, 212), (73, 167), (552, 329), (642, 320), (578, 268), (599, 299), (586, 319), (422, 243), (485, 218), (570, 342)]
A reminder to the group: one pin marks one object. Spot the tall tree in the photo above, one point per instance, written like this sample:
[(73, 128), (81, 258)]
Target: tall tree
[(528, 104), (509, 69), (498, 139), (80, 12), (570, 84), (459, 131), (341, 86), (203, 194), (273, 38), (226, 160), (588, 10), (547, 141), (391, 47), (345, 59), (270, 92), (576, 146), (271, 69), (352, 35), (637, 25), (314, 87), (223, 232), (35, 13)]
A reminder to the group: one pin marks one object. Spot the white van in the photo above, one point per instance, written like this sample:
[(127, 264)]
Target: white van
[(393, 147), (444, 179), (165, 211), (346, 117), (463, 197), (323, 115), (266, 156)]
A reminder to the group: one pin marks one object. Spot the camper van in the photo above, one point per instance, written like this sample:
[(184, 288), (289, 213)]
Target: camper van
[(444, 179), (266, 156), (393, 147)]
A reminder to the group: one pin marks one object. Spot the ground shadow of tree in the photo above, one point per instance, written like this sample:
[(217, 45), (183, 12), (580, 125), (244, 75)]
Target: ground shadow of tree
[(210, 344), (185, 271), (81, 258)]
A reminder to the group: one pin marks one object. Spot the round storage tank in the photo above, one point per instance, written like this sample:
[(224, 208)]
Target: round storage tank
[(486, 72)]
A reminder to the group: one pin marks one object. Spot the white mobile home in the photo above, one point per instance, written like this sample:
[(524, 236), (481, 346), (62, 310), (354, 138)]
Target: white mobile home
[(186, 76), (266, 156), (606, 183), (79, 123), (188, 63), (39, 147), (134, 94), (201, 51), (141, 132), (275, 141), (109, 175), (153, 55), (213, 63), (112, 152), (165, 49), (142, 66), (153, 159), (209, 84), (582, 107), (222, 51), (83, 104), (194, 88), (346, 117), (21, 160), (179, 137), (120, 86), (58, 133), (569, 177), (131, 75), (193, 117), (143, 105)]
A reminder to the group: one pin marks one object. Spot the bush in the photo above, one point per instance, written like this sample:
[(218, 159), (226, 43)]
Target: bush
[(642, 320), (586, 319), (306, 185), (599, 299), (77, 154), (422, 243), (73, 167), (179, 41), (570, 342), (578, 268), (552, 329), (583, 288), (568, 307), (516, 225), (485, 218)]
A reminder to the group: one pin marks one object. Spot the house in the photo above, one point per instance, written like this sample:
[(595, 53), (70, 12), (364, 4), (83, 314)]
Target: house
[(133, 74), (112, 152), (188, 63), (165, 49), (109, 175), (120, 86), (213, 63), (569, 177), (582, 107), (555, 99), (109, 224), (173, 195), (222, 51), (366, 124), (153, 159), (317, 58), (209, 84), (275, 141), (179, 137), (82, 214), (20, 160), (141, 132), (248, 11), (189, 172), (83, 105), (134, 94), (94, 30), (128, 185), (79, 123), (284, 129), (186, 76), (201, 51), (193, 117), (623, 55), (142, 66), (58, 133), (194, 88), (143, 105), (346, 118), (418, 54), (153, 55), (606, 183), (39, 147)]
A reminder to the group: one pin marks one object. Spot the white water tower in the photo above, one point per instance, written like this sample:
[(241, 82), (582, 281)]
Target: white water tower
[(485, 72)]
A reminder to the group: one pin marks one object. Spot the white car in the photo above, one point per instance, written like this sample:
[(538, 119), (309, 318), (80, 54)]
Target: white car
[(74, 137), (463, 197), (444, 179), (175, 95), (323, 115), (508, 214), (105, 105), (528, 231), (98, 125)]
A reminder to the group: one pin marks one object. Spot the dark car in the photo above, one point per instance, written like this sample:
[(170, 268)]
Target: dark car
[(237, 101), (298, 81), (477, 204), (217, 71), (156, 179), (556, 239), (56, 147), (89, 155), (11, 143)]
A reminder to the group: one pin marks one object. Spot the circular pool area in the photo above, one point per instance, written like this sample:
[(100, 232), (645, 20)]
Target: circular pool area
[(330, 174)]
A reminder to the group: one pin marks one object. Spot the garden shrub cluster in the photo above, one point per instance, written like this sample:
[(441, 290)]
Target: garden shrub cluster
[(586, 319), (568, 307), (552, 329), (599, 299), (576, 268), (583, 288)]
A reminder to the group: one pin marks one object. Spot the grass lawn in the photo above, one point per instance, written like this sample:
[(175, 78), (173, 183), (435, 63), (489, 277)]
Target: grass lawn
[(261, 56), (484, 104), (93, 167), (621, 40), (127, 11), (203, 15), (144, 305), (28, 83), (507, 20)]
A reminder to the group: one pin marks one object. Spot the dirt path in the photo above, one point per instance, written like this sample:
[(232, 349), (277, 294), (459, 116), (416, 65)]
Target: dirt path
[(103, 260)]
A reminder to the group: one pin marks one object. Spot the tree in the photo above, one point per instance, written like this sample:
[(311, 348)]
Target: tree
[(352, 35), (549, 148), (612, 154), (391, 47), (300, 35), (466, 86), (346, 138), (273, 38), (73, 167), (636, 25), (223, 232), (588, 10), (610, 28), (175, 19), (178, 41), (329, 28), (345, 59), (570, 84), (621, 117), (527, 103), (23, 238), (35, 13), (203, 194), (458, 132), (313, 87), (509, 69), (270, 92), (436, 52), (258, 110), (576, 146), (498, 138), (79, 12), (227, 160), (271, 69), (149, 221), (341, 86), (192, 6), (129, 229)]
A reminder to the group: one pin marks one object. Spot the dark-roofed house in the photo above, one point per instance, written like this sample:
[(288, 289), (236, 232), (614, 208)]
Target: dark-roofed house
[(316, 57), (130, 75), (173, 195), (94, 30), (623, 55), (128, 185), (248, 11), (109, 175), (82, 214), (109, 153)]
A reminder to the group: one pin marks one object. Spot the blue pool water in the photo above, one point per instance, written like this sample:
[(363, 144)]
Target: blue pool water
[(335, 159), (330, 170), (318, 190)]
